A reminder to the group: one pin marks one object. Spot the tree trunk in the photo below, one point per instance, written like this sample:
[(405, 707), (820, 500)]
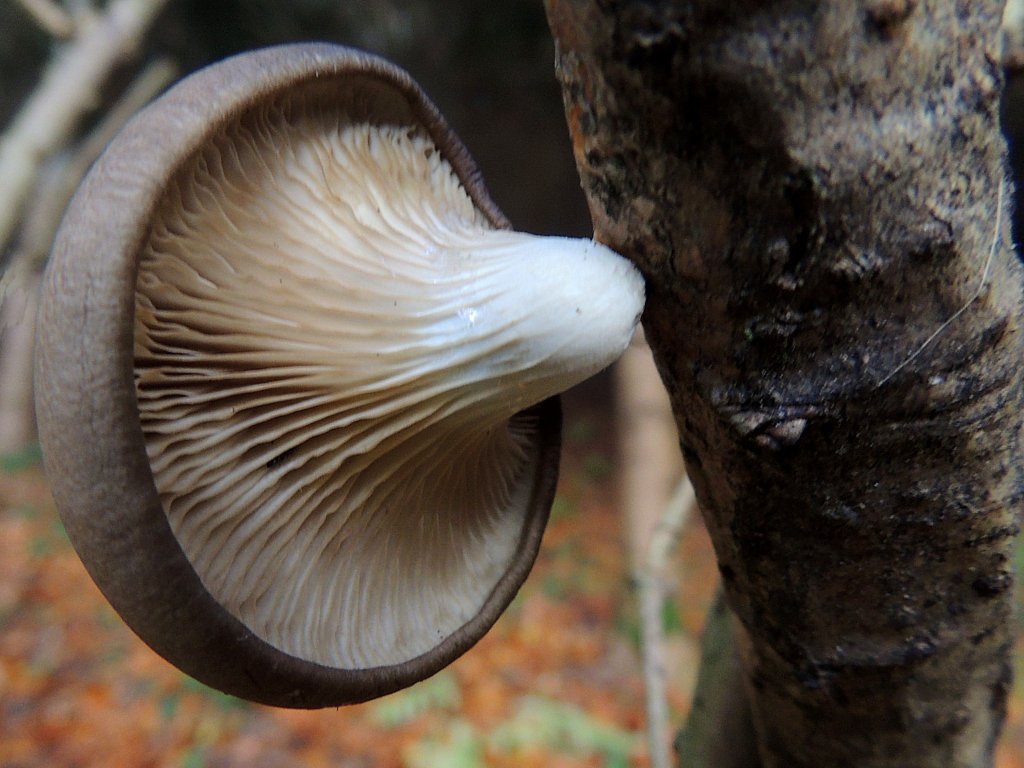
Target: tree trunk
[(816, 194)]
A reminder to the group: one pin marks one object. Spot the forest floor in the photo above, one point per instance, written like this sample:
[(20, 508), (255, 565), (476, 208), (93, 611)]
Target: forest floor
[(556, 683)]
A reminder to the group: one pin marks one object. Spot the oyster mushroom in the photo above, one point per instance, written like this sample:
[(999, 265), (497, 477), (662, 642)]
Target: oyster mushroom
[(296, 378)]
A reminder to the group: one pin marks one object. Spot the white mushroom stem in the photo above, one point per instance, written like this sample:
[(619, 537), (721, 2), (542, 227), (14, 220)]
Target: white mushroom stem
[(332, 345)]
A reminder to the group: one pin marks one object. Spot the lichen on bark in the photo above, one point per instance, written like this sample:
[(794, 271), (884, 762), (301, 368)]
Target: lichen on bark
[(816, 194)]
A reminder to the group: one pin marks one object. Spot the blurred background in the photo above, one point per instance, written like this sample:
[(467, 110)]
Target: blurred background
[(559, 681), (488, 66)]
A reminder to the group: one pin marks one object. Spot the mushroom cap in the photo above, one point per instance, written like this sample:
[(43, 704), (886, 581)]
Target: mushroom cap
[(302, 435)]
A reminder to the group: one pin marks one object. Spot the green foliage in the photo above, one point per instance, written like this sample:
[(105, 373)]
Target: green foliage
[(554, 587), (21, 460), (460, 746), (597, 466), (582, 429), (169, 706), (39, 547), (671, 618), (562, 508), (543, 723), (195, 757), (627, 620), (438, 692), (223, 701), (537, 724)]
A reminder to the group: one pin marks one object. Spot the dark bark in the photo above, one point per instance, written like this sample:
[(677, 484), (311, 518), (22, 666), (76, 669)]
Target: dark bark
[(816, 194)]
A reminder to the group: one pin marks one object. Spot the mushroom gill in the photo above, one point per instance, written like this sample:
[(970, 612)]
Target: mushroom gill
[(332, 345)]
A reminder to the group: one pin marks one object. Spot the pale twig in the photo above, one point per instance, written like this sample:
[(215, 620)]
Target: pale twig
[(651, 467), (69, 89), (651, 591), (50, 16), (666, 533), (18, 286), (986, 271), (61, 177)]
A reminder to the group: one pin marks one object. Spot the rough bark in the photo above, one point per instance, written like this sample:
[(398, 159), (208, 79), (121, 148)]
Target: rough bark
[(816, 194)]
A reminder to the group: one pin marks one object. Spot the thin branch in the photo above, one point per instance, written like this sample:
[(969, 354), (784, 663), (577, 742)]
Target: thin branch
[(652, 591), (69, 89), (62, 175), (651, 467), (51, 17)]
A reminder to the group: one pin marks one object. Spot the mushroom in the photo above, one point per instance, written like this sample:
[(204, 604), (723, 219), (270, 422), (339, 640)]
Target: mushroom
[(296, 378)]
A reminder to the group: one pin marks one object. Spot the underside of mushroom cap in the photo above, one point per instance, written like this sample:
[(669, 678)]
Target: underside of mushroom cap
[(323, 438), (331, 341), (330, 368)]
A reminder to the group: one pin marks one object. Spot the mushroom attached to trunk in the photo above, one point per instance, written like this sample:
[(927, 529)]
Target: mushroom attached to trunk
[(296, 378)]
